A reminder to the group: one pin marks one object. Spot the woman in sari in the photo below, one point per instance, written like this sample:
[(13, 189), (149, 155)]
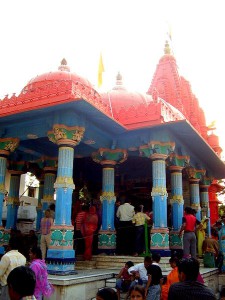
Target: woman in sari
[(172, 277), (200, 232), (38, 265), (89, 227)]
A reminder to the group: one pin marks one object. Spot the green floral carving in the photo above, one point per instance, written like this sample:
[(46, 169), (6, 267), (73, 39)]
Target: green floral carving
[(57, 235), (68, 235), (160, 240), (107, 240)]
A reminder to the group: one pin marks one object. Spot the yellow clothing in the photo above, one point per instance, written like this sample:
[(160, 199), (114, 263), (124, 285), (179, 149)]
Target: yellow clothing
[(139, 219), (10, 261), (201, 235)]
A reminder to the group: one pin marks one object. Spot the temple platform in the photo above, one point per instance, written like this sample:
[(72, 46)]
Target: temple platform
[(100, 272)]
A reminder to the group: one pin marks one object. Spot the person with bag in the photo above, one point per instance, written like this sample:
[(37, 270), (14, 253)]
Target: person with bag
[(43, 287)]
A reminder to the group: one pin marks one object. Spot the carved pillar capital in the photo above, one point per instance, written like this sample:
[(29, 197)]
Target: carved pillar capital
[(63, 135)]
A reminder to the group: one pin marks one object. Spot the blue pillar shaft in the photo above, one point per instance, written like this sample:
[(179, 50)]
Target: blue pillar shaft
[(65, 186), (195, 197), (108, 198), (177, 199), (159, 194), (48, 193), (39, 207), (13, 201), (3, 161), (204, 196)]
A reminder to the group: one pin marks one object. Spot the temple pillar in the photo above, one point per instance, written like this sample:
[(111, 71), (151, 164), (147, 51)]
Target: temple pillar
[(108, 159), (50, 171), (13, 201), (7, 145), (177, 163), (39, 206), (158, 152), (214, 188), (194, 179), (204, 200), (61, 255)]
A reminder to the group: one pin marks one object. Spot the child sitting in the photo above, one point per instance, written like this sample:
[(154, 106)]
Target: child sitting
[(123, 279)]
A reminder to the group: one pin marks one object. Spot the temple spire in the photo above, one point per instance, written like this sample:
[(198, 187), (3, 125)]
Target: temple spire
[(167, 49), (119, 82), (63, 66)]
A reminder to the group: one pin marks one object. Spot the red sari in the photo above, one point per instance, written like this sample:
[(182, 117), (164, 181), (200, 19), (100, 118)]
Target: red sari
[(89, 227)]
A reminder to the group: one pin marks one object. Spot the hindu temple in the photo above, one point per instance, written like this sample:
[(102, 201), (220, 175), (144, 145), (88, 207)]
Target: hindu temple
[(155, 146)]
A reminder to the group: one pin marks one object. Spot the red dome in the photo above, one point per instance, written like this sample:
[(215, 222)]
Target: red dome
[(62, 75), (120, 98)]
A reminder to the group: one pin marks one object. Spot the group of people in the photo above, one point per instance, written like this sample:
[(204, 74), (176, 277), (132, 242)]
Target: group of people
[(183, 282), (130, 226), (13, 264), (196, 243)]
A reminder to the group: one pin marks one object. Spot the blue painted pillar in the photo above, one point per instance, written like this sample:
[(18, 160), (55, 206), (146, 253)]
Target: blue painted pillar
[(13, 199), (177, 203), (49, 190), (195, 196), (7, 145), (39, 206), (3, 160), (204, 199), (61, 256), (158, 152), (108, 158), (159, 232), (194, 178), (107, 234)]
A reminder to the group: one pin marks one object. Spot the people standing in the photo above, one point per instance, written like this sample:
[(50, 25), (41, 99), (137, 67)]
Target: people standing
[(221, 235), (88, 229), (188, 287), (9, 261), (210, 249), (155, 279), (200, 232), (46, 224), (139, 220), (78, 237), (38, 265), (125, 236), (189, 222)]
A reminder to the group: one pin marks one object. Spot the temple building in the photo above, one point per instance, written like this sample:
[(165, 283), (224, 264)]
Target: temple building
[(154, 146)]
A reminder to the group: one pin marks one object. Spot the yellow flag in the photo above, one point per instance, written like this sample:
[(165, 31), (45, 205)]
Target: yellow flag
[(212, 125), (100, 71)]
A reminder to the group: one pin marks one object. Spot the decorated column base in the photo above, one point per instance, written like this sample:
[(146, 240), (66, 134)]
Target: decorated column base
[(2, 249), (61, 256), (107, 241), (6, 237), (176, 243), (160, 241)]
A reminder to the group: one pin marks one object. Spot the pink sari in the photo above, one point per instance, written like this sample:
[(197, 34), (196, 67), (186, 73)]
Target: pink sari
[(43, 286)]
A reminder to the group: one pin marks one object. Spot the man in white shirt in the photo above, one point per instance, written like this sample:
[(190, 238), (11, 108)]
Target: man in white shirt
[(9, 261), (125, 231)]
